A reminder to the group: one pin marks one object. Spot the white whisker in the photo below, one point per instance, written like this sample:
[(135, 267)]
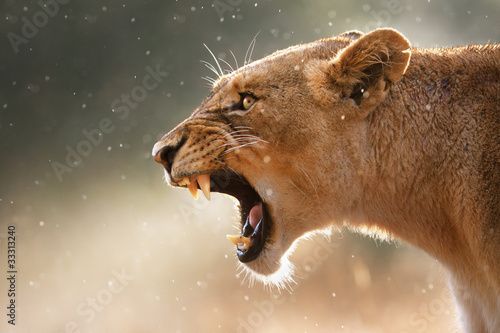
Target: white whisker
[(248, 55), (231, 67), (216, 61), (236, 61), (209, 80), (211, 67)]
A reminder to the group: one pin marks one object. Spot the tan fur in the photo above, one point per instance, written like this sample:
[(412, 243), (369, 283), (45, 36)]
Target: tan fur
[(365, 129)]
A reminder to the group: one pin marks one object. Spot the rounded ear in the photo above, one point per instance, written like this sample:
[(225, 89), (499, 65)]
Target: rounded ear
[(366, 68)]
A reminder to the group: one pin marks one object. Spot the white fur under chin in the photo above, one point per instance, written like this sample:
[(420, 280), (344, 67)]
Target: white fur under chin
[(282, 278)]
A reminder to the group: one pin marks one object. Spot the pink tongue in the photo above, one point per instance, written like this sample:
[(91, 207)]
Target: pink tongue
[(255, 215)]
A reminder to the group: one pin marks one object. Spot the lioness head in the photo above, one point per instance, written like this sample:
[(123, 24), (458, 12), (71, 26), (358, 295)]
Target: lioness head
[(286, 136)]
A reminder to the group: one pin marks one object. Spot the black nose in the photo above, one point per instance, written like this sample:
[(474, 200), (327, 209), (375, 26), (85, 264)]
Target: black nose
[(165, 155)]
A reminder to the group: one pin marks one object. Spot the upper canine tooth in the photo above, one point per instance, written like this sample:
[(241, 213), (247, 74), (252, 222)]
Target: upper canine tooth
[(193, 189), (204, 181)]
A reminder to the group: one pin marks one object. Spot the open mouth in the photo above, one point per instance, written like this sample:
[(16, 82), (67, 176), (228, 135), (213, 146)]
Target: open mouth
[(255, 217)]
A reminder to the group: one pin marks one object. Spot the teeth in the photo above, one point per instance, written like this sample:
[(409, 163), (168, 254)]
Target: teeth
[(192, 184), (234, 239), (246, 240), (243, 246), (242, 242), (193, 189), (204, 181), (184, 181)]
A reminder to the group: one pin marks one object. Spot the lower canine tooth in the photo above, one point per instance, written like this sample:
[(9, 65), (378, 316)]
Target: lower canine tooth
[(242, 242), (234, 239), (246, 240)]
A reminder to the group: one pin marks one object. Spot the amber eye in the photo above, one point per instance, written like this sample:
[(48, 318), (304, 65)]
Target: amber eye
[(248, 101)]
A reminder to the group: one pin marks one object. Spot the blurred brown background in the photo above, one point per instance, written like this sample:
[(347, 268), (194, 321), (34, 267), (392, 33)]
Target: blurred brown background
[(103, 245)]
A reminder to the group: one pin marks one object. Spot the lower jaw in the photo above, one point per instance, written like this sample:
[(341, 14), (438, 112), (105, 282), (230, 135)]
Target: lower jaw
[(259, 237)]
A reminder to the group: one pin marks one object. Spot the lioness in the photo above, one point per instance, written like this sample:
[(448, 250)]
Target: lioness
[(359, 129)]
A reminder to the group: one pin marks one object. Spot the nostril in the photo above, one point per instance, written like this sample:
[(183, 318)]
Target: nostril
[(166, 155)]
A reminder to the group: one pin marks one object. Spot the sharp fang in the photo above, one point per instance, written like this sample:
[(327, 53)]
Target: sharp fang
[(242, 242), (204, 181), (193, 189), (234, 239), (246, 240)]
